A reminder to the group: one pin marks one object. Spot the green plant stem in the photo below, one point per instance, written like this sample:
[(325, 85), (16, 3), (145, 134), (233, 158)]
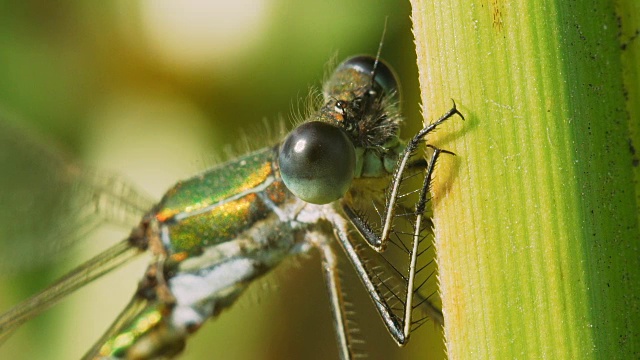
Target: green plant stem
[(536, 218)]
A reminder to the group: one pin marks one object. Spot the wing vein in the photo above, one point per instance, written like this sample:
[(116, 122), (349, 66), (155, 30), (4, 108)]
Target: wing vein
[(99, 265)]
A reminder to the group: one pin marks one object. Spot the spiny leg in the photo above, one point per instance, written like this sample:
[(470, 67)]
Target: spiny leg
[(420, 208), (391, 321), (322, 241), (399, 328), (379, 241), (332, 280)]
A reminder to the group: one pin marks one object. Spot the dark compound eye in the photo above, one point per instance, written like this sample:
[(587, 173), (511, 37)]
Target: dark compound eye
[(317, 162), (384, 76)]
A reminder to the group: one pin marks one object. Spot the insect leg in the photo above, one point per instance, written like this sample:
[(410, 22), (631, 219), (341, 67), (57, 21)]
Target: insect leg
[(391, 321), (420, 208), (332, 279), (379, 241)]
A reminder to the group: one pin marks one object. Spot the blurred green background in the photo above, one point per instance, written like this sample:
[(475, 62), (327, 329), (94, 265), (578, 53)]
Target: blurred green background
[(150, 90)]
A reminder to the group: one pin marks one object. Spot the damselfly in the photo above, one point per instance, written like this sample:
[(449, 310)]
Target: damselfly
[(213, 234)]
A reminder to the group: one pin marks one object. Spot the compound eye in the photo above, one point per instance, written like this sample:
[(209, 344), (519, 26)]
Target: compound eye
[(385, 77), (317, 162)]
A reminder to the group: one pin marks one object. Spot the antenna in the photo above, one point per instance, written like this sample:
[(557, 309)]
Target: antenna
[(377, 60)]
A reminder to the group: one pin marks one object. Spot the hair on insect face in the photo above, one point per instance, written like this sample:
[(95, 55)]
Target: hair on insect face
[(362, 97), (356, 128)]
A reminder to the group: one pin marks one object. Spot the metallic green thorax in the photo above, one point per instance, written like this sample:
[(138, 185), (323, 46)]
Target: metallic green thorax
[(215, 206), (220, 230)]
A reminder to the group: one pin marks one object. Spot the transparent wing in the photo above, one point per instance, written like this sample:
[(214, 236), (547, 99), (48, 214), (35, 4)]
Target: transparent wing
[(85, 273), (48, 204)]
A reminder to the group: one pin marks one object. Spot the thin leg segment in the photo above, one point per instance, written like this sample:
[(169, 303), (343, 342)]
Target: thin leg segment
[(379, 241), (391, 321), (399, 328), (420, 207), (332, 279)]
